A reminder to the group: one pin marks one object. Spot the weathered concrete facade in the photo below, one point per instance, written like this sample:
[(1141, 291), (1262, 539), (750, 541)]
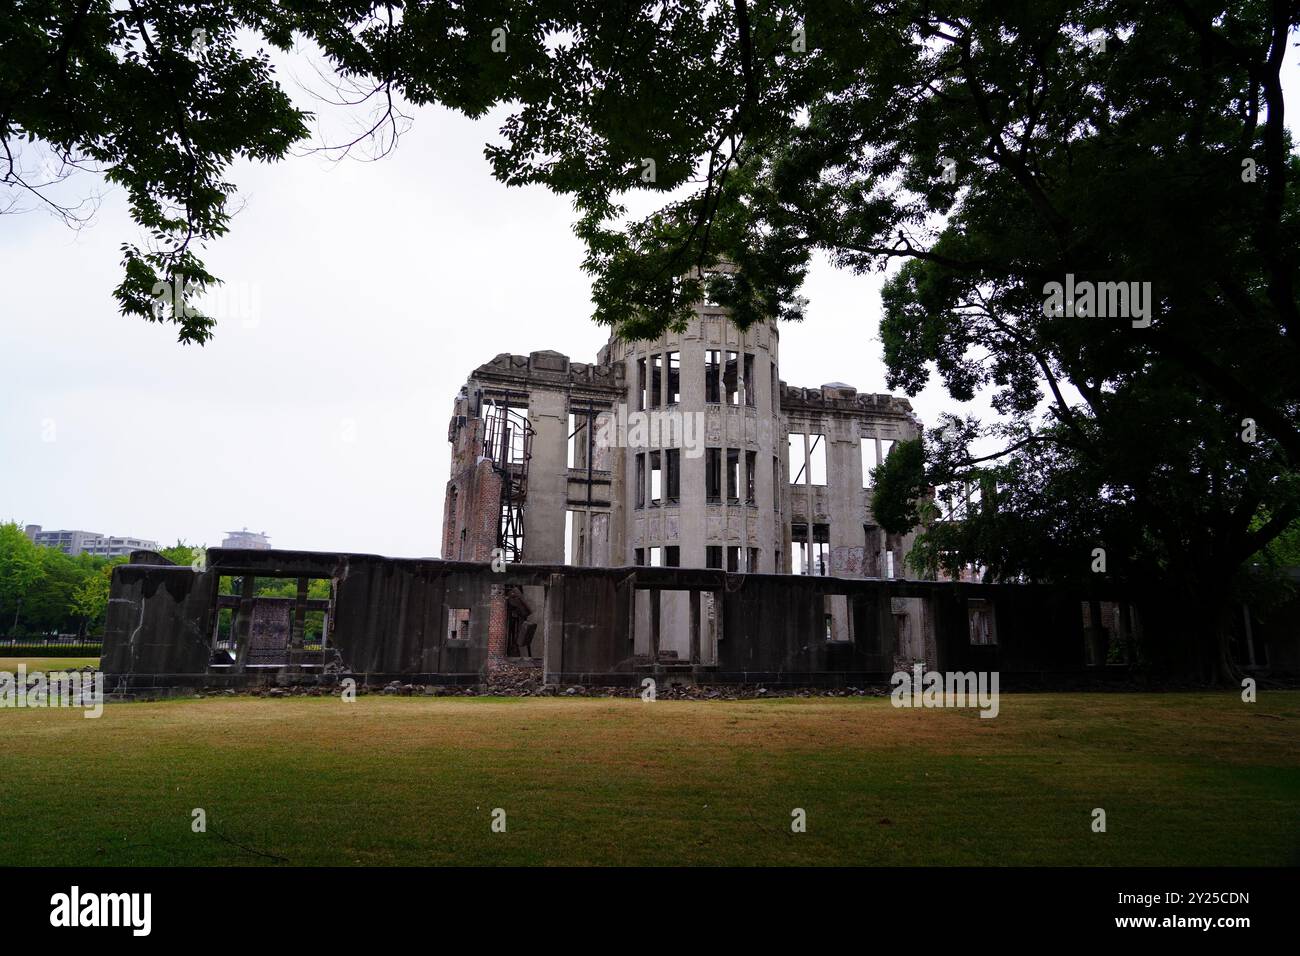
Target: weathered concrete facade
[(436, 622), (737, 490), (429, 621), (736, 470)]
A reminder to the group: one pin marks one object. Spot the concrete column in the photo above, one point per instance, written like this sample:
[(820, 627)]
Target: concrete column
[(695, 627), (844, 498), (809, 506), (692, 523), (553, 630), (885, 621), (548, 478), (655, 610), (243, 621), (297, 626)]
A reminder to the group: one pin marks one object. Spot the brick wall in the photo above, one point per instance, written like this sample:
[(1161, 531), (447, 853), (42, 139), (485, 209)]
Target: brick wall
[(472, 505), (496, 658)]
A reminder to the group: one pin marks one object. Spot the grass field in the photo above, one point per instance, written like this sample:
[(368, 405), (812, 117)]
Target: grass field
[(47, 663), (1184, 779)]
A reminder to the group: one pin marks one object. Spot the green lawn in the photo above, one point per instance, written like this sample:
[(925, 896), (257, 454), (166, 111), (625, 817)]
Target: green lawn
[(47, 663), (1185, 779)]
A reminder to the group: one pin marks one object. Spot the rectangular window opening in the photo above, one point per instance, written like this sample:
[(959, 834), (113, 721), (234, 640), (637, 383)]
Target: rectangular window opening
[(731, 378), (979, 612), (275, 625), (713, 376), (656, 478), (713, 475), (458, 624), (820, 561), (577, 444), (808, 452), (817, 459), (656, 379), (673, 469), (838, 624)]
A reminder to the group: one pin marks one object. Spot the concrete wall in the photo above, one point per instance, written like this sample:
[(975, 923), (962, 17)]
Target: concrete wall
[(692, 523), (546, 387), (548, 476), (847, 419), (388, 619), (159, 621)]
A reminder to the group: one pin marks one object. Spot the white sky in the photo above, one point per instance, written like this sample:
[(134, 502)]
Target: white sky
[(376, 289)]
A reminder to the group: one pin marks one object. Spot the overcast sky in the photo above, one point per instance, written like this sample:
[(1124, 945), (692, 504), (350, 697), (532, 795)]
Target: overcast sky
[(362, 295)]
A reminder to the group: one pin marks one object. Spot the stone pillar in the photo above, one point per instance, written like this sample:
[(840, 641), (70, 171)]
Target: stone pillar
[(553, 630), (243, 622), (695, 627), (497, 620), (296, 630), (548, 478)]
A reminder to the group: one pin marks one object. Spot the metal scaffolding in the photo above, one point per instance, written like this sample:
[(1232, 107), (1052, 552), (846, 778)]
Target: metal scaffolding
[(508, 443)]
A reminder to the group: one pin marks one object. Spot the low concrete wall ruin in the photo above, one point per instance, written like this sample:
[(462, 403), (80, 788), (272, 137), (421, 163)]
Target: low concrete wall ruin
[(444, 622)]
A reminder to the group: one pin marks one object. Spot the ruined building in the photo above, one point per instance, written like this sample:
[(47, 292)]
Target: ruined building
[(689, 452), (671, 511)]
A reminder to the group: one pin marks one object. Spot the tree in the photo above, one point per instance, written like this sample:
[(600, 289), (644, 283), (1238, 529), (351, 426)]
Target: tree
[(48, 603), (991, 156), (1284, 550), (161, 98), (20, 569), (182, 553), (43, 590), (898, 487), (90, 599)]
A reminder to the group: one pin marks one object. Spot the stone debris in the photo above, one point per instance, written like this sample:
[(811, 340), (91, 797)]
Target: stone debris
[(527, 682), (515, 678)]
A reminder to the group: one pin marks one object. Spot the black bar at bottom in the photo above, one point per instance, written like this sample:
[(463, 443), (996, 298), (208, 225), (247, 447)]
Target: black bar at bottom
[(941, 904)]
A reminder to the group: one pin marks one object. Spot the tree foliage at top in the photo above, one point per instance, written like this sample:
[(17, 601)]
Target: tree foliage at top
[(979, 151)]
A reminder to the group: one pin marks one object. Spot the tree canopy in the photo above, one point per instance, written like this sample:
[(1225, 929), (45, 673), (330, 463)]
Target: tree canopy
[(988, 155), (44, 591)]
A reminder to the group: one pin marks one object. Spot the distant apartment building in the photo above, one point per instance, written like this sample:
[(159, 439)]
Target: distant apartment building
[(88, 542), (247, 540)]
